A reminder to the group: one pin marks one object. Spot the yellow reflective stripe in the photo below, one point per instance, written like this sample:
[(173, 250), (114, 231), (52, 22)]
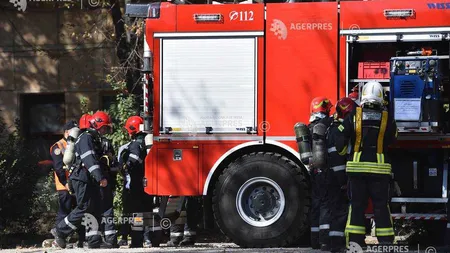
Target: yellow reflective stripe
[(347, 234), (341, 128), (382, 132), (343, 151), (390, 216), (384, 231), (380, 158), (368, 165), (351, 229), (358, 128)]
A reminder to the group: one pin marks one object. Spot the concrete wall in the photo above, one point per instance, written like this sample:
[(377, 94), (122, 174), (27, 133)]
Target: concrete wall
[(54, 51)]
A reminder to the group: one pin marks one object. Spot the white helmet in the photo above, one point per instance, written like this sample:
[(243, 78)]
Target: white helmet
[(372, 92)]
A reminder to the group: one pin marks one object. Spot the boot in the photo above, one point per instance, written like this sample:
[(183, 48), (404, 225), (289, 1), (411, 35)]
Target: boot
[(187, 242), (102, 245), (123, 242), (59, 241), (172, 243)]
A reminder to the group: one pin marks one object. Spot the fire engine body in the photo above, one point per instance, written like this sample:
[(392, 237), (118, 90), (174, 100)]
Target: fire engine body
[(229, 82)]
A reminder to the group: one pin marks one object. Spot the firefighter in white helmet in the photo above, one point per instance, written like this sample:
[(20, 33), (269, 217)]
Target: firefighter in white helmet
[(371, 130)]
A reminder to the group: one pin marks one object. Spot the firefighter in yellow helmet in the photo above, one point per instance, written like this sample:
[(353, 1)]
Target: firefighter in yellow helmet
[(370, 129)]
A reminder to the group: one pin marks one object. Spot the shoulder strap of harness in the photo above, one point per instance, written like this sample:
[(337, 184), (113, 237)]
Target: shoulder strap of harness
[(381, 133)]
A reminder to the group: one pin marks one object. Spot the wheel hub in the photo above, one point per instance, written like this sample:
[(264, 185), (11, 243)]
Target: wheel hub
[(260, 201)]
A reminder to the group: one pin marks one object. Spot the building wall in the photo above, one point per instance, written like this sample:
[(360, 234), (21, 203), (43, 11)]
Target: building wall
[(43, 52)]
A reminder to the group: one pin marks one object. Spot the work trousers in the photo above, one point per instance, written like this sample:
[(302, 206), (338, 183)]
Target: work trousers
[(320, 209), (87, 210), (363, 186), (66, 203), (107, 225), (339, 211), (185, 225), (140, 202)]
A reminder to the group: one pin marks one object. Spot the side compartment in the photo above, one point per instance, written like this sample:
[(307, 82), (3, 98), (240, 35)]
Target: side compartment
[(301, 61)]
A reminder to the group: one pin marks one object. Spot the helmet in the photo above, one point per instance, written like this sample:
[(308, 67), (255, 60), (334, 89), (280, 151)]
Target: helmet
[(344, 106), (132, 124), (100, 119), (372, 92), (320, 105), (84, 121)]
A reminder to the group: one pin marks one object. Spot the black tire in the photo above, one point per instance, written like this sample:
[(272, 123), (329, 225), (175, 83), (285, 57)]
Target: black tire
[(292, 223)]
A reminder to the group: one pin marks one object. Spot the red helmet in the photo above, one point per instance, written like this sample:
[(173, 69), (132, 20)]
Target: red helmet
[(100, 119), (344, 106), (321, 104), (132, 124), (84, 121)]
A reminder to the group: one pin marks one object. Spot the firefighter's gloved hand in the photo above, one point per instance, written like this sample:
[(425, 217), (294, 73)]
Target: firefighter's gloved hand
[(103, 182)]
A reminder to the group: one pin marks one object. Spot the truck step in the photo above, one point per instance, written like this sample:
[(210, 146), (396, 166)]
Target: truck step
[(414, 216), (419, 200)]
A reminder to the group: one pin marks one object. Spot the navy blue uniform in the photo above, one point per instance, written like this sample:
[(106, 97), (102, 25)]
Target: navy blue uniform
[(138, 200), (86, 177), (320, 211)]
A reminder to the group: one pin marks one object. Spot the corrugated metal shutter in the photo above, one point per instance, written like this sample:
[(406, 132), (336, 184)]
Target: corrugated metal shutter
[(208, 82)]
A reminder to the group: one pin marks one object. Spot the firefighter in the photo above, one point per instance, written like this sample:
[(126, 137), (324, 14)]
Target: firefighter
[(86, 178), (371, 130), (107, 194), (184, 230), (320, 213), (338, 178), (65, 199), (139, 201)]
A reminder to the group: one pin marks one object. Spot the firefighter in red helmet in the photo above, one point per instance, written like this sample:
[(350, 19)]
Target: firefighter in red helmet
[(84, 121), (86, 178), (133, 157), (337, 177), (320, 214)]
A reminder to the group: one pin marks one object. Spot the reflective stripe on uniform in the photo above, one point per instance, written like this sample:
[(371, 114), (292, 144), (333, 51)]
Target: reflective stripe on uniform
[(137, 228), (338, 168), (156, 228), (110, 232), (315, 229), (332, 149), (92, 233), (358, 129), (176, 234), (324, 226), (85, 154), (70, 224), (93, 167), (379, 167), (336, 233), (190, 233), (135, 157), (384, 231)]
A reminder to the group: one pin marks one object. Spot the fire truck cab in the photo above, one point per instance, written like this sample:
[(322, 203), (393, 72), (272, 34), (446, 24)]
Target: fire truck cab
[(224, 85)]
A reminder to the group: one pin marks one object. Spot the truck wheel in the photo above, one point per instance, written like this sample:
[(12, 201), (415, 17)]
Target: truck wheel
[(262, 200)]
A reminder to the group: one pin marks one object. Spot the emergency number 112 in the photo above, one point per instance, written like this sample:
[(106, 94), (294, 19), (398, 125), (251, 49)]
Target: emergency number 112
[(241, 15)]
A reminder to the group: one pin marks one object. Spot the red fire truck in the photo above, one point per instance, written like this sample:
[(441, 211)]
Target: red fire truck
[(226, 83)]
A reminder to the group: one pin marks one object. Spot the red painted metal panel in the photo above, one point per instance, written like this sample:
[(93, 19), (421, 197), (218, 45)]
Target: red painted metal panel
[(172, 174), (301, 61), (370, 14), (244, 17)]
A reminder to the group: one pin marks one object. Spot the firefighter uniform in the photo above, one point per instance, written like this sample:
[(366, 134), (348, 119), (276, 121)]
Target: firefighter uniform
[(85, 177), (65, 199), (183, 231), (371, 130), (337, 190), (106, 193), (320, 207), (139, 201)]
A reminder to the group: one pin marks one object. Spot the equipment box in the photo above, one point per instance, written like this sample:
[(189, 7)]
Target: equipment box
[(373, 70)]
